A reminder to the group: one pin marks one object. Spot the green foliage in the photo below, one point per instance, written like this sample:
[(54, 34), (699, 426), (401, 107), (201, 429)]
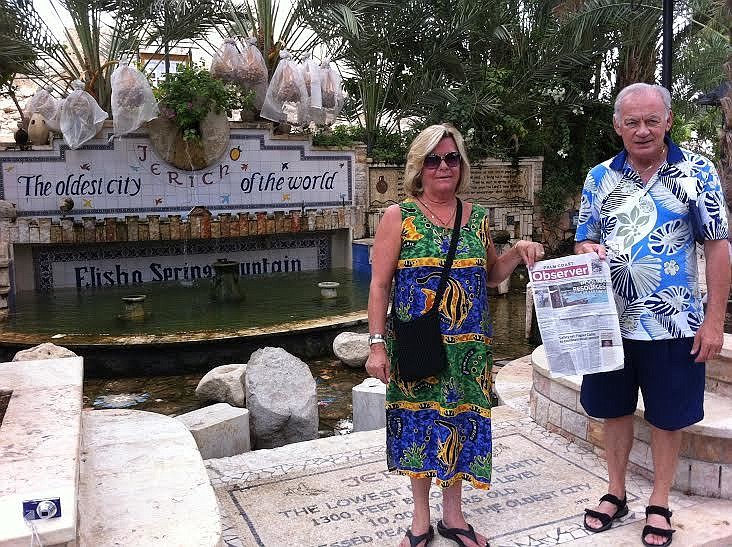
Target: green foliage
[(387, 148), (189, 95), (341, 135), (103, 32)]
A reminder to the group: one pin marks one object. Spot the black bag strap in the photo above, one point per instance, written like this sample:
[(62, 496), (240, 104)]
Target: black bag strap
[(450, 254), (449, 259)]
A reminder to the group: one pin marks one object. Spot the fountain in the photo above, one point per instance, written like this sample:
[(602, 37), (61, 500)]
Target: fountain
[(189, 331), (328, 289), (225, 286), (133, 308)]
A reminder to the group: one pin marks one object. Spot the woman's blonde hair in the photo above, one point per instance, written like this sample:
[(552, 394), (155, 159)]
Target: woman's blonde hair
[(423, 144)]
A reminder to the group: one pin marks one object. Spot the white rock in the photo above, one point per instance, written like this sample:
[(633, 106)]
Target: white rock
[(219, 430), (224, 384), (281, 399), (352, 348), (43, 351), (369, 398)]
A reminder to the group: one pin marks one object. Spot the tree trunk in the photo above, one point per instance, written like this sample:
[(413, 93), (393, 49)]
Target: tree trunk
[(725, 145)]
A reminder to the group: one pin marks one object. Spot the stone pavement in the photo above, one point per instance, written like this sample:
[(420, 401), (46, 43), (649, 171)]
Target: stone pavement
[(335, 492)]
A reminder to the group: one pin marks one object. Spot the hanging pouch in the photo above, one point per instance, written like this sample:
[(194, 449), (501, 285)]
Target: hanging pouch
[(419, 348)]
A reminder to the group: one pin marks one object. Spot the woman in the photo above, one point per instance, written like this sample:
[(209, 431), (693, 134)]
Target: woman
[(439, 426)]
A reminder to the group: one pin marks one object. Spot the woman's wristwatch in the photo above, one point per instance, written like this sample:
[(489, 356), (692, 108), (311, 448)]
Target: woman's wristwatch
[(376, 339)]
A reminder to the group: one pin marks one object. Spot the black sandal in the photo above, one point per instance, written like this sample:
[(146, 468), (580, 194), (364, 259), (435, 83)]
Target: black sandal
[(607, 520), (427, 537), (648, 529), (454, 534)]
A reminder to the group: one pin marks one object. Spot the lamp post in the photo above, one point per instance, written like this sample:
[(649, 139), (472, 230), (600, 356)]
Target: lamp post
[(668, 34)]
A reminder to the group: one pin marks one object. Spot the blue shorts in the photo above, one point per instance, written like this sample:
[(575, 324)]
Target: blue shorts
[(671, 382)]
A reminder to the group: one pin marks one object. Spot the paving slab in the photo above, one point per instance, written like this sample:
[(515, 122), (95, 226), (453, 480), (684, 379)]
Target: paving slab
[(39, 447), (336, 492)]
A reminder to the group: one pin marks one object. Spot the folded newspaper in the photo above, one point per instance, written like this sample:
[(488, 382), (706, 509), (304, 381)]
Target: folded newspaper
[(576, 313)]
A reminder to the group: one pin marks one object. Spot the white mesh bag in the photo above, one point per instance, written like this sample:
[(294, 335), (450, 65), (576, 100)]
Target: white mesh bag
[(287, 96), (133, 102), (81, 117), (43, 103), (311, 76), (252, 72), (226, 61), (331, 92)]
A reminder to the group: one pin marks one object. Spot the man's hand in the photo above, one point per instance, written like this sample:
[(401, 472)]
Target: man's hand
[(377, 365), (590, 247), (708, 341)]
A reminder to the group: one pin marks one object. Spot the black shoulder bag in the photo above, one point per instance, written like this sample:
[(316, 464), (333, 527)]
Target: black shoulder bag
[(419, 349)]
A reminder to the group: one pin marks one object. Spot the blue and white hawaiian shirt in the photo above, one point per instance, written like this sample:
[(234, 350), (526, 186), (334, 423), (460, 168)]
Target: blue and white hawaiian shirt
[(648, 234)]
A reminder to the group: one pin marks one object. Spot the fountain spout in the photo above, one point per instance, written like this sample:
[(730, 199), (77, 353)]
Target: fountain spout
[(226, 281)]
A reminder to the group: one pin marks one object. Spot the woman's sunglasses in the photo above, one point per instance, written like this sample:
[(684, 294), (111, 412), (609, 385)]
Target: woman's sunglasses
[(433, 161)]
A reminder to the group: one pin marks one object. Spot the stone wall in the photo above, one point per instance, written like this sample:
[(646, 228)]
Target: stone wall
[(195, 205), (202, 225), (507, 190)]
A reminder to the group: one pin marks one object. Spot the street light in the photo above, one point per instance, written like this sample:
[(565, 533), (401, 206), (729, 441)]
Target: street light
[(668, 34)]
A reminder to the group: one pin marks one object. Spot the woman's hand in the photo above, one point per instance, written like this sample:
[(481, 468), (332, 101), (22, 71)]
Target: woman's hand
[(529, 252), (377, 365)]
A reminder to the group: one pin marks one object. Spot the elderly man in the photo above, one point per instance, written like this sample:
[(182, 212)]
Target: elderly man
[(642, 210)]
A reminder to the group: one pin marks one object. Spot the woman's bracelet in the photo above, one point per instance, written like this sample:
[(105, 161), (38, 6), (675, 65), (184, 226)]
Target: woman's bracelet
[(376, 339)]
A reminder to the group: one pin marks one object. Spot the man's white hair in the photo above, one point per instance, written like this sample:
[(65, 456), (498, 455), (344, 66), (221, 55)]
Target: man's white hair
[(642, 88)]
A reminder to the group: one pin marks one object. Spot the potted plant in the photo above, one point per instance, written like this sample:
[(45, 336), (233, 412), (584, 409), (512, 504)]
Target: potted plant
[(187, 96), (192, 130)]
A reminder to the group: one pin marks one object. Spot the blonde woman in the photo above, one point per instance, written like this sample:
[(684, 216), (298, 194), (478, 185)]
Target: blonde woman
[(439, 427)]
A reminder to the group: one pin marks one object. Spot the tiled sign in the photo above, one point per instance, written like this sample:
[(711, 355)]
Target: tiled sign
[(96, 266), (126, 176)]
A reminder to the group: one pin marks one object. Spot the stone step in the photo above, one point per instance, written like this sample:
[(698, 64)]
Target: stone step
[(719, 370), (143, 483), (705, 466), (39, 447)]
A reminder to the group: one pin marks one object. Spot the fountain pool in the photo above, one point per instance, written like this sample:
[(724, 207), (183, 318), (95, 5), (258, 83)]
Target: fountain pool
[(184, 330), (173, 395)]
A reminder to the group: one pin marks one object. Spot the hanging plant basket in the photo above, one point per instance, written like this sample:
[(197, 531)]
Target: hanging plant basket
[(190, 155), (192, 131)]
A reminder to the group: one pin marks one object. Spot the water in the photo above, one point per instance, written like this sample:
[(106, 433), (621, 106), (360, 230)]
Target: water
[(174, 395), (175, 307)]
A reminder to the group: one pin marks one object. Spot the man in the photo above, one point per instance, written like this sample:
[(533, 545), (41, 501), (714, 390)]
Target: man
[(638, 211)]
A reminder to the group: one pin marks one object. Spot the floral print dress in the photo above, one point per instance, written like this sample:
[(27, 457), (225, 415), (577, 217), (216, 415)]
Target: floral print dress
[(441, 426)]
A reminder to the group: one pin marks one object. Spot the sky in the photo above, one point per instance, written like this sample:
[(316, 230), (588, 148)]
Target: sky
[(44, 9)]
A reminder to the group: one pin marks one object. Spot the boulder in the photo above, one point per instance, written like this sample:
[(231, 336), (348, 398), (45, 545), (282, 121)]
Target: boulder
[(281, 398), (224, 384), (352, 348), (219, 430), (43, 351)]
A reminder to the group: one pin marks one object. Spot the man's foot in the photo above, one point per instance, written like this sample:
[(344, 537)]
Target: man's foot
[(658, 526), (461, 533), (611, 507), (418, 540)]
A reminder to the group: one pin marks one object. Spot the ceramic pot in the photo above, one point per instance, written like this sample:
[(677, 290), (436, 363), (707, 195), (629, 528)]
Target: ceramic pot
[(38, 130)]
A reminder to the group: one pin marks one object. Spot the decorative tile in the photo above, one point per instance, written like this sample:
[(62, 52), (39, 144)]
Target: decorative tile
[(126, 176)]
